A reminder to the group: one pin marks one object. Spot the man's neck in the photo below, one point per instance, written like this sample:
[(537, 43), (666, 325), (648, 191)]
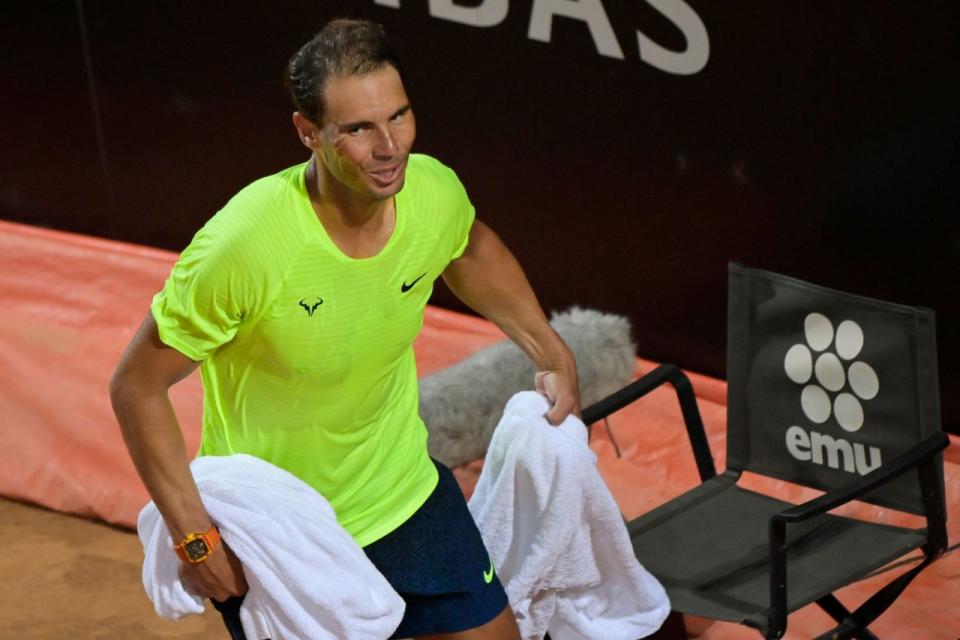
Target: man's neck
[(359, 226)]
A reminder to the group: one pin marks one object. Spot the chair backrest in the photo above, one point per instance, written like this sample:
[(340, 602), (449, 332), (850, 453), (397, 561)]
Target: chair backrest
[(823, 385)]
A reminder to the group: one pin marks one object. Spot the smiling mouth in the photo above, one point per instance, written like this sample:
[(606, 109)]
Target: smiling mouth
[(386, 177)]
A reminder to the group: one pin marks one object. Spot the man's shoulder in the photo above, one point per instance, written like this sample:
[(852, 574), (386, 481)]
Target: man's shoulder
[(426, 174), (259, 223), (266, 195), (263, 208), (423, 165)]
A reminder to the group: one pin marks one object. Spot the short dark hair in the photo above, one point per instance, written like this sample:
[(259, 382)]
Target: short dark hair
[(343, 47)]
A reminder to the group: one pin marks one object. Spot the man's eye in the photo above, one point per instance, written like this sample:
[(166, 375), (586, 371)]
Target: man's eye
[(357, 130)]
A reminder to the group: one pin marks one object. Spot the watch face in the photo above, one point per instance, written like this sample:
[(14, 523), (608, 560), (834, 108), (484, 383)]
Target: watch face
[(196, 549)]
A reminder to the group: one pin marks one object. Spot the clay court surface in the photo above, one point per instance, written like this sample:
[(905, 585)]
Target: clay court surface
[(67, 577)]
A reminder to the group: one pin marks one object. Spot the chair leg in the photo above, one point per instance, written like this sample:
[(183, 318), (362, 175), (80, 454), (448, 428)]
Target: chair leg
[(833, 607), (847, 629)]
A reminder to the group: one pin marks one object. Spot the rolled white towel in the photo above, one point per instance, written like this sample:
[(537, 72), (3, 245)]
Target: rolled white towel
[(308, 578)]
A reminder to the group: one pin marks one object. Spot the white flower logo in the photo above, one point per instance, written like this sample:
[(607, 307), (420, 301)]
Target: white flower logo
[(831, 373)]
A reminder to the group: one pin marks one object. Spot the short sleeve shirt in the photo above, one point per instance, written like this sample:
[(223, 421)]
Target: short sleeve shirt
[(306, 354)]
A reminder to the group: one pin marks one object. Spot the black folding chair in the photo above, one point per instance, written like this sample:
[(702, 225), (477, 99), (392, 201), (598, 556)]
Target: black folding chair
[(825, 389)]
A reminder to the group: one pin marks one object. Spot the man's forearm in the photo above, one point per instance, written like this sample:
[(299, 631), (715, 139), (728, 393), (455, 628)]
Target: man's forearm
[(155, 443), (490, 280)]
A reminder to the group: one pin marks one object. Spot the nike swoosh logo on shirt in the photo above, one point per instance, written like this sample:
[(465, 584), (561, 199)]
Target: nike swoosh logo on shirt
[(406, 287)]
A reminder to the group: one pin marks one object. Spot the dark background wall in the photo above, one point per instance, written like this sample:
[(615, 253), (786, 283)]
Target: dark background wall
[(820, 139)]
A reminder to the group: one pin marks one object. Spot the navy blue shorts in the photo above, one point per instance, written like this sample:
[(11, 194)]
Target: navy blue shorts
[(436, 561)]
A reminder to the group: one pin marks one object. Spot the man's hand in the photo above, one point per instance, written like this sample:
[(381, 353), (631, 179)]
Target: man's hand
[(219, 577), (561, 389)]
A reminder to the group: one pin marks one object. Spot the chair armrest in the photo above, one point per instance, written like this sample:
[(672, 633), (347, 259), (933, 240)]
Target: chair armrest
[(910, 459), (920, 457), (688, 407)]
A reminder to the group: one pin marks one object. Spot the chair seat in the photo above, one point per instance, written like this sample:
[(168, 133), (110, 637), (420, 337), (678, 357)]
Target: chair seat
[(710, 549)]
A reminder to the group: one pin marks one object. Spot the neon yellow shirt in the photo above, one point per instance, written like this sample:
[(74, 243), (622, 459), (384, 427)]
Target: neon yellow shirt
[(307, 357)]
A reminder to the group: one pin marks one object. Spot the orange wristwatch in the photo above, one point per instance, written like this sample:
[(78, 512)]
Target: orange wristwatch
[(197, 547)]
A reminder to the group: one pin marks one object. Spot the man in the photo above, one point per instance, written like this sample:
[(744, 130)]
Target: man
[(300, 300)]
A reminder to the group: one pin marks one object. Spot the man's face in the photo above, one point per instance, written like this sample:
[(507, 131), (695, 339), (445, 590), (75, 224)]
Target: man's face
[(367, 132)]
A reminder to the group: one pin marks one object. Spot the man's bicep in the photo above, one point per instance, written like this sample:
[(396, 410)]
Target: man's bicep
[(149, 361), (480, 241), (487, 277)]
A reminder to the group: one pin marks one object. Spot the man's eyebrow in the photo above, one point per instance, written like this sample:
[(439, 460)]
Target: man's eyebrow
[(399, 112), (364, 123)]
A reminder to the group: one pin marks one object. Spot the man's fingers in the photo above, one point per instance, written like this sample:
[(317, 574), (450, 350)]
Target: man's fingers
[(564, 406), (561, 394), (192, 583), (185, 581), (219, 577), (239, 582), (556, 415), (538, 383), (546, 384)]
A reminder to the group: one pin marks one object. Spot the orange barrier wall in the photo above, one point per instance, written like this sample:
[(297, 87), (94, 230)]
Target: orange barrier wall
[(71, 303)]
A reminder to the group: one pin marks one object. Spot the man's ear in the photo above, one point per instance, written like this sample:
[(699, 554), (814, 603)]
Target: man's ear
[(307, 131)]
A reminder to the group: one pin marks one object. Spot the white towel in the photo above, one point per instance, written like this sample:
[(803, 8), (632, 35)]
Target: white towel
[(556, 535), (308, 578)]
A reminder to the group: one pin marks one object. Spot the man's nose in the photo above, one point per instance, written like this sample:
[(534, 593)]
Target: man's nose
[(385, 145)]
